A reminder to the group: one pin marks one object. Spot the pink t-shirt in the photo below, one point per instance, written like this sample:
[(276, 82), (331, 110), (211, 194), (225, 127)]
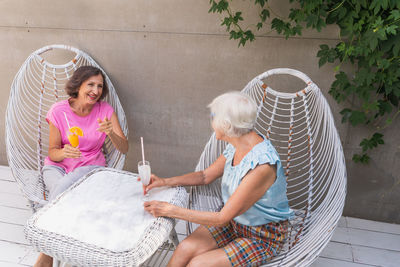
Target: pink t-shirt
[(90, 144)]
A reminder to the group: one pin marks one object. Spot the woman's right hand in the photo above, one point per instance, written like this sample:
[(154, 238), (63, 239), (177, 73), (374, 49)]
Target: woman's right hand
[(71, 152), (155, 181)]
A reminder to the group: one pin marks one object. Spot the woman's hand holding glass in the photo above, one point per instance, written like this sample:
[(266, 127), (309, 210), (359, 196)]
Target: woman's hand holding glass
[(155, 181), (71, 152)]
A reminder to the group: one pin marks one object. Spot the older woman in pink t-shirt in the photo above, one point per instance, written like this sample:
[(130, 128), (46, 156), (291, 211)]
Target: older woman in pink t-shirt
[(65, 164)]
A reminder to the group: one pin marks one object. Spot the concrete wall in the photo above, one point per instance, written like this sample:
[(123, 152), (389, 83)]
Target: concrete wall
[(168, 60)]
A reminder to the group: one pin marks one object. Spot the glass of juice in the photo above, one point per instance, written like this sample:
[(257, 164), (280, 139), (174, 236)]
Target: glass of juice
[(144, 174), (73, 139)]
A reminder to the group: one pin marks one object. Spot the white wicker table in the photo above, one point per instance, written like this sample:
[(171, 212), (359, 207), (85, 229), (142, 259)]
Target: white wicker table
[(73, 250)]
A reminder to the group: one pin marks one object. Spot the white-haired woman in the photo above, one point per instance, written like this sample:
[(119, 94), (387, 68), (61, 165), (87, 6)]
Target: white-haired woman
[(252, 225)]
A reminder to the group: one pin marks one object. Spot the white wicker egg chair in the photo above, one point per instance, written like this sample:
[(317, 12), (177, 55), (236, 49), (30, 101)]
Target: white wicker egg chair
[(301, 127), (37, 85)]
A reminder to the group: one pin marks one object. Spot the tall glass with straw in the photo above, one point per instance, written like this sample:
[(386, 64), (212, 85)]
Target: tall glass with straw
[(144, 170), (72, 137)]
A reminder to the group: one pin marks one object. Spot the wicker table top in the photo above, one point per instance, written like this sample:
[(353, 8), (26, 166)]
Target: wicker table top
[(74, 250)]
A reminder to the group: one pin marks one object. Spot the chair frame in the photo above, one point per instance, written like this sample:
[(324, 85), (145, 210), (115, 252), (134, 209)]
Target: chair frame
[(301, 126)]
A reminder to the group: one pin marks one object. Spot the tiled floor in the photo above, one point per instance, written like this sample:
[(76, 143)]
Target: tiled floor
[(356, 242)]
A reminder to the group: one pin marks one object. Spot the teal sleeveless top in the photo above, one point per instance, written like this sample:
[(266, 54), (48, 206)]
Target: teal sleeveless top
[(273, 206)]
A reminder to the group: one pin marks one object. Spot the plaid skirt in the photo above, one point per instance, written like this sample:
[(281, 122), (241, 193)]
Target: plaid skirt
[(250, 245)]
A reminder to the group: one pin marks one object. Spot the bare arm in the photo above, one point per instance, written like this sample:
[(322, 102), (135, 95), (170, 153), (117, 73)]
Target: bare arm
[(113, 129), (251, 189), (207, 176), (56, 153)]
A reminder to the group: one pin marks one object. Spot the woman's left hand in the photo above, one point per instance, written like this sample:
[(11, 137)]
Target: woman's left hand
[(158, 208), (105, 126)]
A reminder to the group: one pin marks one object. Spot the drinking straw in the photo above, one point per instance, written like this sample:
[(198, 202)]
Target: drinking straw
[(65, 115), (141, 140)]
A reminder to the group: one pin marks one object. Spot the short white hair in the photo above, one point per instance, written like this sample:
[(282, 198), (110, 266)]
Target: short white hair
[(234, 113)]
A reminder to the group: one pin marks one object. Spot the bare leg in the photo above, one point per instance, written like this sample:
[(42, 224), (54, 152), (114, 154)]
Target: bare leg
[(213, 258), (43, 261), (200, 241)]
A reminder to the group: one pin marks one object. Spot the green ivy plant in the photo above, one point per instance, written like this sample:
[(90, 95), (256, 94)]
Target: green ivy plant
[(369, 40)]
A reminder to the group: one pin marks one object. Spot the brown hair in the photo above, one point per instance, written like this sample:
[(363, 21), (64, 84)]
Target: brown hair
[(82, 74)]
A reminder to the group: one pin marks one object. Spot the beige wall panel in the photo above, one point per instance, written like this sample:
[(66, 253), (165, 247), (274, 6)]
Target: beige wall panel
[(178, 16), (374, 189), (165, 81)]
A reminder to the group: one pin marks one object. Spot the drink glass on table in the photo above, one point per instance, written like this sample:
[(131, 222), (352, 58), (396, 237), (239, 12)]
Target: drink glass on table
[(144, 174)]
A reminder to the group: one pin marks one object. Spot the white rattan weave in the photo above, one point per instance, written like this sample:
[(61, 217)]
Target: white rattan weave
[(79, 253), (37, 85), (301, 127)]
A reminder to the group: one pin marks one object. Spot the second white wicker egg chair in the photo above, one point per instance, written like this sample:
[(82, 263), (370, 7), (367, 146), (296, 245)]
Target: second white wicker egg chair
[(301, 127)]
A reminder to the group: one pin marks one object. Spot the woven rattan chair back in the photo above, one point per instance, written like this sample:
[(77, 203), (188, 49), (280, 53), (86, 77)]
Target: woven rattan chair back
[(301, 127), (37, 85)]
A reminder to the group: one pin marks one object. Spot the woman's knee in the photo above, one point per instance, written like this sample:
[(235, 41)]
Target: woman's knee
[(187, 247), (197, 261)]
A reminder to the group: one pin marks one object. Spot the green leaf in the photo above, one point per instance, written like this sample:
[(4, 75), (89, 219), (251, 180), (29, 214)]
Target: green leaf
[(249, 35), (363, 77), (394, 14), (341, 47), (312, 20), (383, 63), (282, 27), (297, 15), (373, 43), (393, 100), (261, 2), (388, 89), (213, 7), (346, 113), (264, 15), (367, 107), (234, 35), (357, 117), (384, 107), (340, 88), (381, 33), (297, 30), (391, 29), (364, 158), (384, 4), (376, 6), (242, 41), (373, 142), (278, 25), (237, 17), (342, 13), (227, 21), (396, 89), (396, 49), (326, 54)]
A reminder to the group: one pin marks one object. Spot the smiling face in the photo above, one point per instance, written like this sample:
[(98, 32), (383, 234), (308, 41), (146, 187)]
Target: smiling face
[(90, 90)]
